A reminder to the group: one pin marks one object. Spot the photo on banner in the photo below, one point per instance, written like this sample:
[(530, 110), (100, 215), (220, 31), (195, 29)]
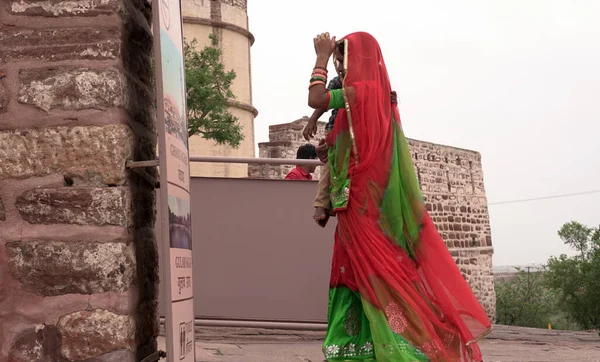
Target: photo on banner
[(180, 222)]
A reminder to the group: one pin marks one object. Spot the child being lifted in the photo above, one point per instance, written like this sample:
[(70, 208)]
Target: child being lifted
[(322, 201)]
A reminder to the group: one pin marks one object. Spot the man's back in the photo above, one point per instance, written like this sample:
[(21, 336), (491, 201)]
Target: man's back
[(298, 173)]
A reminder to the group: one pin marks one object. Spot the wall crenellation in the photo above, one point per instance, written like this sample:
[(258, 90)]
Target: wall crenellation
[(78, 258), (451, 180)]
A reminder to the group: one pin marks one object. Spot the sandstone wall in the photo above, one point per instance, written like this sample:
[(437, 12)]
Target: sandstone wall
[(452, 183), (78, 257)]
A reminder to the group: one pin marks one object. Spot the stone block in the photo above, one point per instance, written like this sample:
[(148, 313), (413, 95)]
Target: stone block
[(38, 344), (82, 206), (89, 155), (73, 89), (4, 95), (61, 8), (51, 268), (90, 334), (59, 44), (2, 211), (120, 356)]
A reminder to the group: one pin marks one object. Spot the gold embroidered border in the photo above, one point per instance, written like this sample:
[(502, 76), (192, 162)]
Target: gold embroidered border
[(481, 336), (347, 104)]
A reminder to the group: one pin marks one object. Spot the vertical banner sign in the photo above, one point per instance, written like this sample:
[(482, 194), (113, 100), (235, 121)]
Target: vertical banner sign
[(174, 170)]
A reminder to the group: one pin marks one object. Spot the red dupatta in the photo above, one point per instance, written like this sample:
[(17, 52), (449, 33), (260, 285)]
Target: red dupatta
[(381, 185)]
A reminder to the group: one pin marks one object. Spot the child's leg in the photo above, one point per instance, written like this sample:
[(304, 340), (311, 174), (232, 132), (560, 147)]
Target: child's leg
[(322, 198), (322, 202)]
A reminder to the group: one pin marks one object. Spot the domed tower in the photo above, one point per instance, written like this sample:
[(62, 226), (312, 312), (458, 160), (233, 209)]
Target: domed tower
[(228, 19)]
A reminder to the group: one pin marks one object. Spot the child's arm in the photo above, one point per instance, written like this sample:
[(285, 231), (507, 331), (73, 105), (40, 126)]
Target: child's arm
[(394, 97), (311, 127)]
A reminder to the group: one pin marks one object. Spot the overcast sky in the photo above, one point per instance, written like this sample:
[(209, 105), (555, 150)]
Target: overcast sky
[(518, 81)]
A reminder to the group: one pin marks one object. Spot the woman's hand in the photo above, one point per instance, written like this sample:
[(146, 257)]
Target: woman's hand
[(322, 151), (324, 45)]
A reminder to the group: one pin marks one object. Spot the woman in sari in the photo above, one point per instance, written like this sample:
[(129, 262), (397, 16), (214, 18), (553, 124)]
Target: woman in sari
[(396, 293)]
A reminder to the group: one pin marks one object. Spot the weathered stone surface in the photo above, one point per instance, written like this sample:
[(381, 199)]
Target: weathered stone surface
[(51, 268), (476, 267), (83, 206), (137, 45), (89, 334), (242, 4), (59, 8), (120, 356), (39, 344), (59, 44), (73, 89), (148, 279), (90, 155), (2, 212), (139, 96), (4, 96)]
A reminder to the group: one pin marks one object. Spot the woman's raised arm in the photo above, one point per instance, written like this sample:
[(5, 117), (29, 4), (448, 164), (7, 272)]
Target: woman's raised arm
[(318, 96)]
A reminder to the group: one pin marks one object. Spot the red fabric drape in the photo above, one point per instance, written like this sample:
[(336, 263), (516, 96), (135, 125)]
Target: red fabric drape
[(442, 313)]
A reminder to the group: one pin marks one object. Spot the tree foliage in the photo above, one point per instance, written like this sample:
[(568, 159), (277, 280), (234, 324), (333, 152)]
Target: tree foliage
[(208, 92), (577, 278), (525, 301)]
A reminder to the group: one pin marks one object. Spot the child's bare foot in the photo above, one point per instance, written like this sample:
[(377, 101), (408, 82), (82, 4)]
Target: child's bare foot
[(321, 217)]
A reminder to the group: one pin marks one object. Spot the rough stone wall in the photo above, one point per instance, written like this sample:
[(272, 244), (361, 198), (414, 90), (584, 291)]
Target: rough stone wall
[(78, 258), (452, 183)]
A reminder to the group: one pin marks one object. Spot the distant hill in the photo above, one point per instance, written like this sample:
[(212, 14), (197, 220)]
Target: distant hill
[(510, 269)]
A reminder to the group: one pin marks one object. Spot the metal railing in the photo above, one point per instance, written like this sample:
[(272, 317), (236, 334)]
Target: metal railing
[(255, 160), (222, 159)]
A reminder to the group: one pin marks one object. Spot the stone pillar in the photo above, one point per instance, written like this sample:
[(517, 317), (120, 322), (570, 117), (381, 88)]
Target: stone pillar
[(78, 256)]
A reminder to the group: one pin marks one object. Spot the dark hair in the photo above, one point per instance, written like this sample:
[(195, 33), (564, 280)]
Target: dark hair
[(340, 47), (306, 152)]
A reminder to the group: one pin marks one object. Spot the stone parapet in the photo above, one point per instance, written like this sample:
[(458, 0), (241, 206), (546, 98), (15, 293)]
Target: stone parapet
[(78, 254)]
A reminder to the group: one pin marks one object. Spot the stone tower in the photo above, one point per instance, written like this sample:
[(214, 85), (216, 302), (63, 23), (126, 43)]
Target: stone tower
[(228, 19)]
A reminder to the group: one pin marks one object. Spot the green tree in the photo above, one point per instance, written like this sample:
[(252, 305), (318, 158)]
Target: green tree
[(577, 278), (208, 87), (525, 301)]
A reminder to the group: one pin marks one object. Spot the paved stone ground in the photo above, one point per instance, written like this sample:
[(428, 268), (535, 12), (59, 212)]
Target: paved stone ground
[(505, 344)]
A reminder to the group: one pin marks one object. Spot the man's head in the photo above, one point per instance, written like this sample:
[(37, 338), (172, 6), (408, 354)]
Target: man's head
[(307, 152)]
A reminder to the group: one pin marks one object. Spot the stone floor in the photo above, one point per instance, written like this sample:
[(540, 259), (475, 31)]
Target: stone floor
[(505, 344)]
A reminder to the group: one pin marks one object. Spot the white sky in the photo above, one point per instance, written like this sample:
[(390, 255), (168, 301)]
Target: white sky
[(518, 81)]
